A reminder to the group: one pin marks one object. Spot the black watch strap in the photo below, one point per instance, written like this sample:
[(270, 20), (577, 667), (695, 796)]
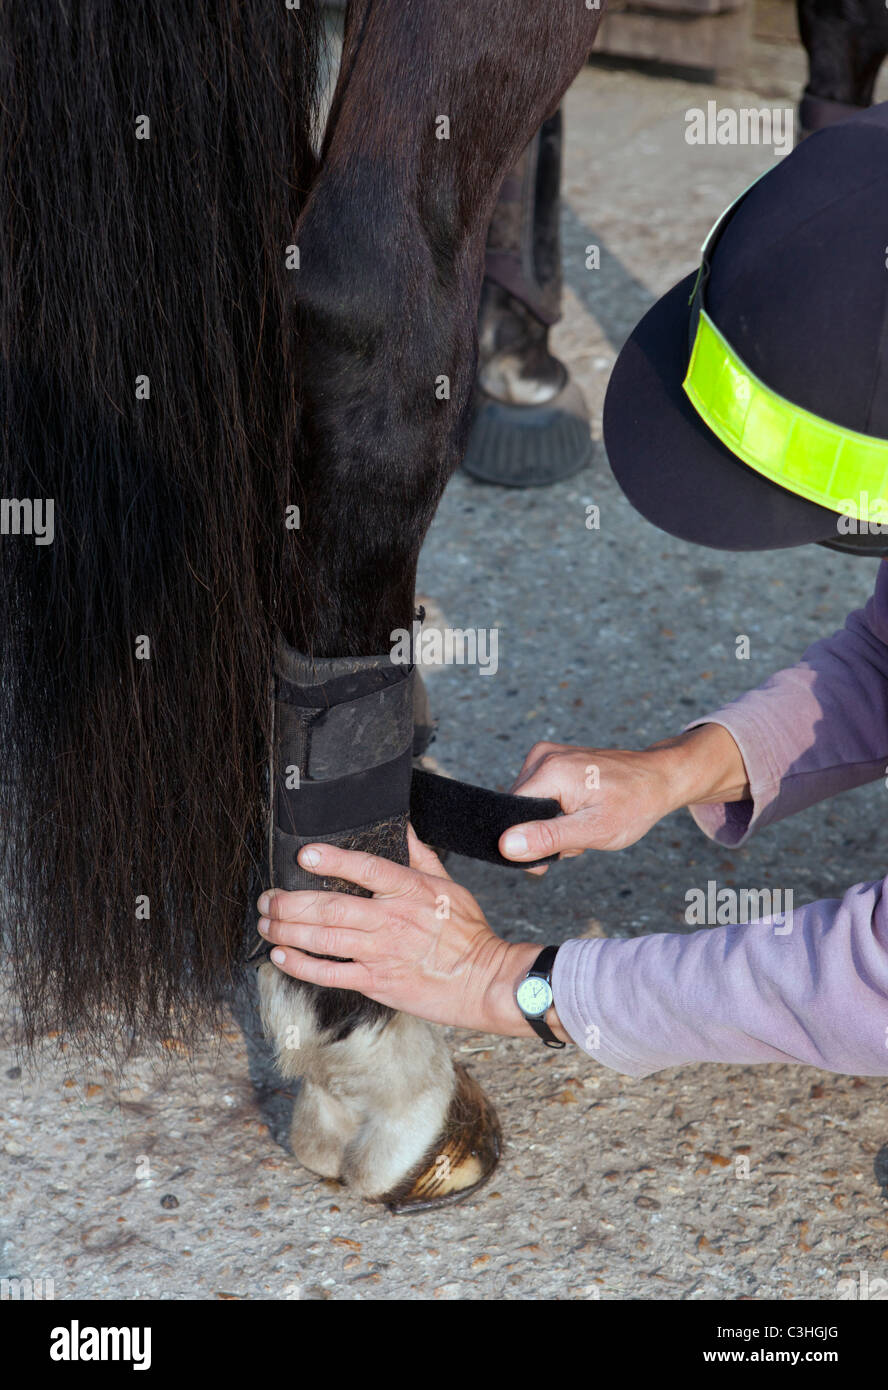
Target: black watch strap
[(542, 1030), (543, 966)]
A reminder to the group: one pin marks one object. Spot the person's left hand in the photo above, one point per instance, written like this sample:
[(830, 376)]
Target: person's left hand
[(420, 944)]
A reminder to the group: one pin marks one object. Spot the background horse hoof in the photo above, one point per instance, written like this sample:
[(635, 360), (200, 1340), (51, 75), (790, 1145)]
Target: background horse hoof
[(529, 445), (461, 1161)]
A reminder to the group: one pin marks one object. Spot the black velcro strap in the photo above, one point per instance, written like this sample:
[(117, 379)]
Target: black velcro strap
[(468, 820), (343, 803)]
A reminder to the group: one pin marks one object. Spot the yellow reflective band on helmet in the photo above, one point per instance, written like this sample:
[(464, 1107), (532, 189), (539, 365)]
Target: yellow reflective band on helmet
[(837, 468)]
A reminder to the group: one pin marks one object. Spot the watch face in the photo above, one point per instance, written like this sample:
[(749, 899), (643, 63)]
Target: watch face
[(534, 996)]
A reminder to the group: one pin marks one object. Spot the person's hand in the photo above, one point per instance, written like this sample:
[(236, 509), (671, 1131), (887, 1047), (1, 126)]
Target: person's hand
[(420, 944), (611, 796)]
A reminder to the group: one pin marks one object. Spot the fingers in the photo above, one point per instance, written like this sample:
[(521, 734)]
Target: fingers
[(331, 973), (539, 839), (321, 941), (339, 923), (366, 870), (328, 923), (319, 909)]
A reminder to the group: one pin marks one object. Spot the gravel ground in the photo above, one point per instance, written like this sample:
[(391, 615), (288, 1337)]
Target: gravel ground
[(173, 1184)]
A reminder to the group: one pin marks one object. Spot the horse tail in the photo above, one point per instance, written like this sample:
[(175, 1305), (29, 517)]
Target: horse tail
[(154, 158)]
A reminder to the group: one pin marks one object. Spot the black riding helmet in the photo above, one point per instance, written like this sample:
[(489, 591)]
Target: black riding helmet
[(749, 408)]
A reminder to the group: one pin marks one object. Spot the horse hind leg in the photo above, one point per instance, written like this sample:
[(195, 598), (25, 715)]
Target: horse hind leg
[(380, 1105), (396, 217)]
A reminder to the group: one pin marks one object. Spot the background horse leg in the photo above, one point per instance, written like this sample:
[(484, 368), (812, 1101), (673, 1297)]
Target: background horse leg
[(846, 42), (531, 425), (433, 106)]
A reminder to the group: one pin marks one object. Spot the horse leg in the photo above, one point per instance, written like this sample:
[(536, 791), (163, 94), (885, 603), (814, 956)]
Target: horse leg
[(391, 247), (531, 425), (846, 45)]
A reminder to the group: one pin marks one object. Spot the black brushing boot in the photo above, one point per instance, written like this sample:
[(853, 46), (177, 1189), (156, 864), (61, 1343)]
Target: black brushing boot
[(342, 760), (531, 424)]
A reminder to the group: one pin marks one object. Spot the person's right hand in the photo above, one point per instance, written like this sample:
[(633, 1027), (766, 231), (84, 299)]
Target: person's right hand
[(612, 796)]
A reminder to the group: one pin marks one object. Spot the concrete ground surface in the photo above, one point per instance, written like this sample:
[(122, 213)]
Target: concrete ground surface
[(171, 1184)]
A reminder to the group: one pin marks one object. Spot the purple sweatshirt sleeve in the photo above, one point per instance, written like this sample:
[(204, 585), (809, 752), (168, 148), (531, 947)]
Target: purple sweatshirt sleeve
[(809, 988), (813, 730)]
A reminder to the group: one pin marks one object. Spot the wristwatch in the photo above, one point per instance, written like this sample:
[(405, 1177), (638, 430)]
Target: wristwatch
[(534, 995)]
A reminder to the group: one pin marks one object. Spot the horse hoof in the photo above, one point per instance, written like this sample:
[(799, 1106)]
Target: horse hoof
[(462, 1159), (529, 445)]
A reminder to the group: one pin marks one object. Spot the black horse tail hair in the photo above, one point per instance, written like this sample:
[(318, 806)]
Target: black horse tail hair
[(154, 158)]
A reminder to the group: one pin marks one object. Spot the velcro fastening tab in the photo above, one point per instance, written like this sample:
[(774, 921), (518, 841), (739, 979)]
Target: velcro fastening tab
[(344, 803), (468, 820)]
